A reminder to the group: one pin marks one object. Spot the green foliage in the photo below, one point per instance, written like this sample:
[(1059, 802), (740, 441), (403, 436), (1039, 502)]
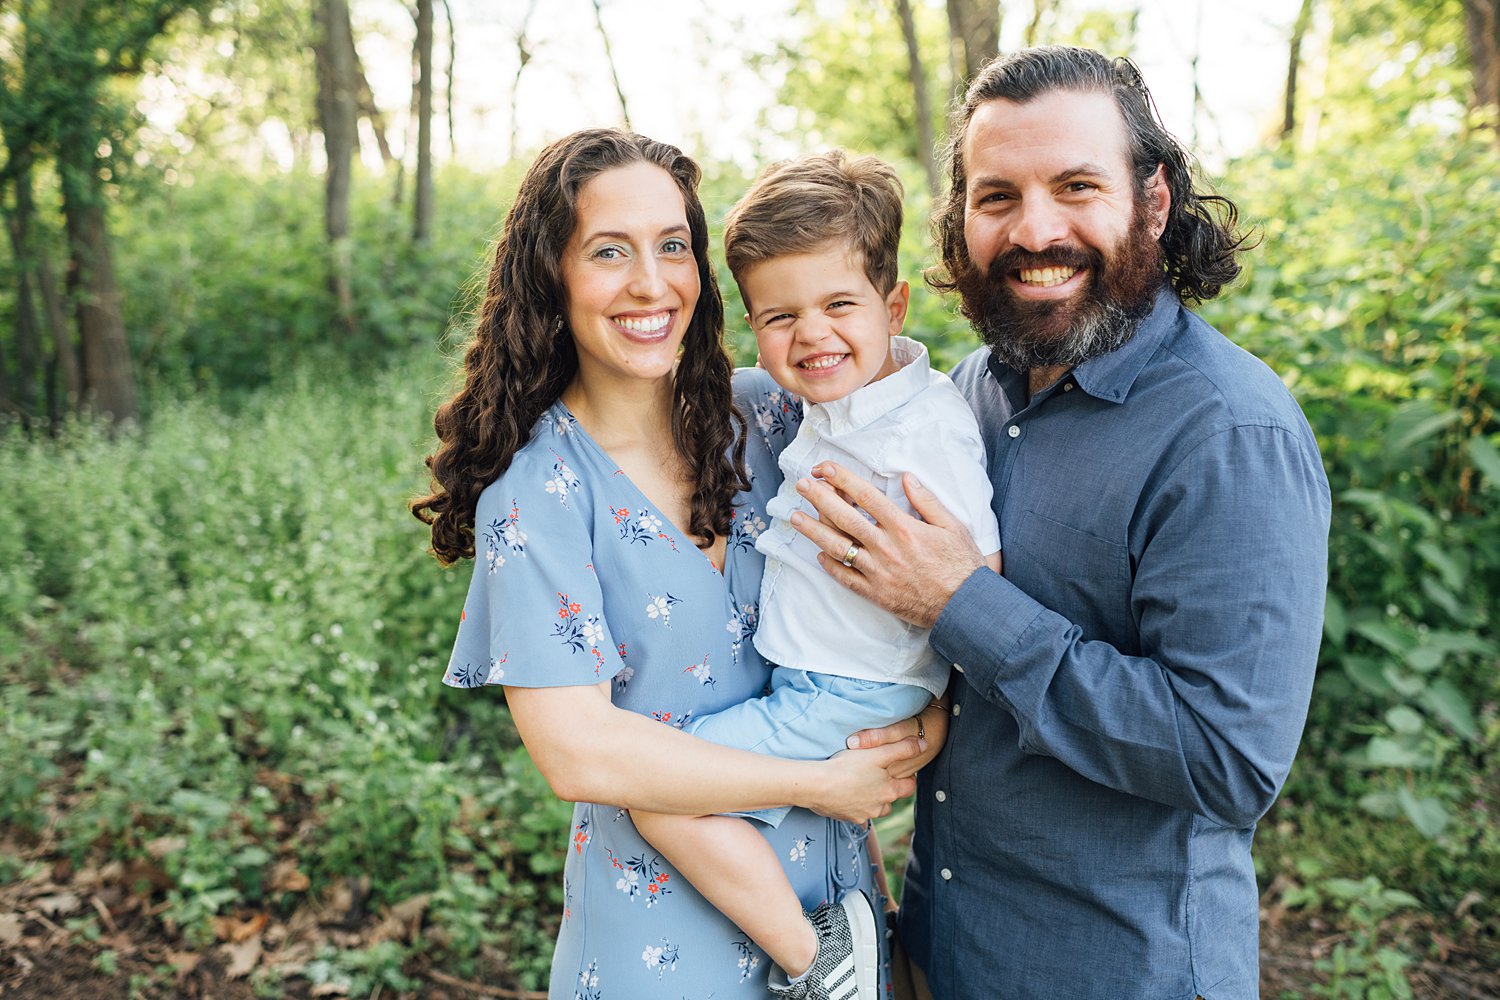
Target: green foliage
[(234, 631)]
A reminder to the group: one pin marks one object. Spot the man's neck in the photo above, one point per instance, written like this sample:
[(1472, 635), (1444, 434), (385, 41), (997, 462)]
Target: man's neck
[(1038, 379)]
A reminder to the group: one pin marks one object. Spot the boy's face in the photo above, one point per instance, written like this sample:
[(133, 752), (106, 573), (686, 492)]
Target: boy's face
[(823, 329)]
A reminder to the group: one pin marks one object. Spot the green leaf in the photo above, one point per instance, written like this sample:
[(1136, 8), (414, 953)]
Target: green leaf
[(1368, 673), (1335, 620), (1430, 816), (1452, 573), (1382, 751), (1425, 659), (1388, 637), (1486, 458), (1405, 684), (1382, 805), (1405, 720), (1446, 702), (1415, 423)]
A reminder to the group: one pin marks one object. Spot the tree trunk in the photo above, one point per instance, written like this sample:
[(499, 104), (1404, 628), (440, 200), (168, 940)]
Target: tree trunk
[(422, 202), (523, 56), (1294, 63), (338, 118), (919, 91), (19, 394), (448, 81), (614, 73), (974, 36), (108, 375), (1482, 24)]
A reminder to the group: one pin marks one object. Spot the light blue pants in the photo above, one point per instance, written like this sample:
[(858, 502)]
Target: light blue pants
[(808, 716)]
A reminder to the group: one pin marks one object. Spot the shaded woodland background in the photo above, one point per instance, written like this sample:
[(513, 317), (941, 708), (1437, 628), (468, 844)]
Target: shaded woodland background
[(228, 766)]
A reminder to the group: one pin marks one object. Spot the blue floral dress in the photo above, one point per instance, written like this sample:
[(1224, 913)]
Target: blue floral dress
[(578, 579)]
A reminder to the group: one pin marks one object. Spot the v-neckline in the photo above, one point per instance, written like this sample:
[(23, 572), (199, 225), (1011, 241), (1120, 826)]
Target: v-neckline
[(576, 426)]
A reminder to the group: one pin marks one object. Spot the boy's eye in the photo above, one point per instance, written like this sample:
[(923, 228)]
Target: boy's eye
[(840, 304)]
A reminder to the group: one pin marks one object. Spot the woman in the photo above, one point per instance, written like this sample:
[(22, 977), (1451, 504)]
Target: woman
[(595, 464)]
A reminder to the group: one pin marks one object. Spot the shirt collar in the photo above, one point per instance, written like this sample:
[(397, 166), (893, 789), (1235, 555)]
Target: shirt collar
[(870, 402), (1110, 376)]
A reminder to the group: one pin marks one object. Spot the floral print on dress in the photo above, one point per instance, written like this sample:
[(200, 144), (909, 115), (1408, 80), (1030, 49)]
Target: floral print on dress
[(659, 608), (588, 983), (741, 627), (700, 672), (773, 414), (798, 852), (660, 958), (466, 675), (745, 527), (579, 632), (563, 480), (676, 720), (640, 878), (642, 526), (581, 835), (748, 957), (504, 532)]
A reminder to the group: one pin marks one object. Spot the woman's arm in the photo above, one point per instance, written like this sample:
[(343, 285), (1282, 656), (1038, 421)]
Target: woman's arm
[(589, 750)]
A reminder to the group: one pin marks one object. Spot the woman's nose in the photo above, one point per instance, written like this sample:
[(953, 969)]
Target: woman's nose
[(646, 279)]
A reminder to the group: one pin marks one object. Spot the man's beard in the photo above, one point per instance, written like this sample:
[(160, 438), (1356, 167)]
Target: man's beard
[(1026, 334)]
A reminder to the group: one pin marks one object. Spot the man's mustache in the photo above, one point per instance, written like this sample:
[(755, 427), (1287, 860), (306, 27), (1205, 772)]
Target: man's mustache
[(1018, 258)]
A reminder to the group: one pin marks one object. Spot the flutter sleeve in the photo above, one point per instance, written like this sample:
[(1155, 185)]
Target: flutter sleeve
[(534, 612)]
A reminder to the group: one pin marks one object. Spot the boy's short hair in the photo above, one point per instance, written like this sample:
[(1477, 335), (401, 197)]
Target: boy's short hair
[(802, 205)]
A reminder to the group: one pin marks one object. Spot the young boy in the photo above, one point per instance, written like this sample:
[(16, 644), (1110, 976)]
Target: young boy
[(813, 246)]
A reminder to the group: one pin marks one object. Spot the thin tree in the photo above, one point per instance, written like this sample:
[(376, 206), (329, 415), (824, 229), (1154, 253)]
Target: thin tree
[(610, 59), (973, 35), (1293, 64), (423, 201), (523, 57), (1039, 11), (919, 91), (448, 81), (1482, 26), (338, 118)]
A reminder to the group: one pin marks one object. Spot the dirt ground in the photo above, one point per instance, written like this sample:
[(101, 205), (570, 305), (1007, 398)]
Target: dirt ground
[(100, 934)]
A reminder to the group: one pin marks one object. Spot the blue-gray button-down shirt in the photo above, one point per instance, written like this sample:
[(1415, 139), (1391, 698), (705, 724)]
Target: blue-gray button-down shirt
[(1133, 689)]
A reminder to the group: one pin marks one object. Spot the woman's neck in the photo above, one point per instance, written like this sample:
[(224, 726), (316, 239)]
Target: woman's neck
[(622, 414)]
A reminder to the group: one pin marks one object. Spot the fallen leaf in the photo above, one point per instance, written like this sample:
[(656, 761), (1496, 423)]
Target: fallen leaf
[(330, 990), (243, 957), (235, 930), (163, 846), (183, 962), (10, 929), (285, 877), (63, 902)]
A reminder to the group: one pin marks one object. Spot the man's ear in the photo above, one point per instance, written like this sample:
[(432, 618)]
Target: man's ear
[(1158, 201)]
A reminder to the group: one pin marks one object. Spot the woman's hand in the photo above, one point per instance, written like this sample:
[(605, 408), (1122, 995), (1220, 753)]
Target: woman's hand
[(929, 729), (857, 785)]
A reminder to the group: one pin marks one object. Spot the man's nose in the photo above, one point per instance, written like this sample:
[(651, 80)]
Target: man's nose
[(1039, 224)]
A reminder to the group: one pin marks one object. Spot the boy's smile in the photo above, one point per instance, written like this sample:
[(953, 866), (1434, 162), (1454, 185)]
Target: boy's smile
[(823, 329)]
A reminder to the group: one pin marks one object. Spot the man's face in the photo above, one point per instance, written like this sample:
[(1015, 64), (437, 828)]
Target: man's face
[(1064, 257)]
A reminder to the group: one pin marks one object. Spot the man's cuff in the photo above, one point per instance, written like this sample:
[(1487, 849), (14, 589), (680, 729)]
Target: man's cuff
[(981, 624)]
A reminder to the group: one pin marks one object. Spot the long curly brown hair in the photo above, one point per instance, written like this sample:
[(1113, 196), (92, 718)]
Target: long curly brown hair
[(521, 357)]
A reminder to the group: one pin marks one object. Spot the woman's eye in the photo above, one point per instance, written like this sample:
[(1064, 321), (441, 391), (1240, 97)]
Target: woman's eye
[(675, 246), (609, 253)]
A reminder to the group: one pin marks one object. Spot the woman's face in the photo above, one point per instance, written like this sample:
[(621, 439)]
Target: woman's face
[(629, 275)]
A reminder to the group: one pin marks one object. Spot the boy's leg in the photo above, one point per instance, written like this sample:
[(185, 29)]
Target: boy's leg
[(736, 870)]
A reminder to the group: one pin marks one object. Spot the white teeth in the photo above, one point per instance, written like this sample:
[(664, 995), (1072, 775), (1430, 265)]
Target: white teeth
[(824, 361), (1047, 276), (645, 324)]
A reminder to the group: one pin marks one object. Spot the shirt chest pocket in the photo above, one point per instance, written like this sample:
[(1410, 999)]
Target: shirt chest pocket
[(1078, 574)]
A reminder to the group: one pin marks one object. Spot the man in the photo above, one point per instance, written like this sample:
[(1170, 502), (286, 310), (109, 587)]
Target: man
[(1129, 695)]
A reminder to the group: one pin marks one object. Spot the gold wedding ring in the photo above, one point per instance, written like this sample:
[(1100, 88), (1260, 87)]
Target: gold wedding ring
[(848, 559)]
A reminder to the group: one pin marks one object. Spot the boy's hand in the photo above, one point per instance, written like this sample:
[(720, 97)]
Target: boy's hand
[(909, 566)]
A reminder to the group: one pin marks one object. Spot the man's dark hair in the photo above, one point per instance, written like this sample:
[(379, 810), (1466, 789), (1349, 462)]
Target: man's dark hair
[(1201, 239)]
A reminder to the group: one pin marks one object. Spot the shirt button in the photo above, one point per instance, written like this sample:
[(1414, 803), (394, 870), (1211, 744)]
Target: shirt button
[(956, 710), (940, 795), (1013, 431), (1067, 387), (946, 873), (959, 667)]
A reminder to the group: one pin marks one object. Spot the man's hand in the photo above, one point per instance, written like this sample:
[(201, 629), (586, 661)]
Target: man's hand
[(908, 566)]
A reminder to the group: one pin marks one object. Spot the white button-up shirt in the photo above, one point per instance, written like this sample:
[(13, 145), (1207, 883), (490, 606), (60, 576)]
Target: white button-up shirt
[(913, 420)]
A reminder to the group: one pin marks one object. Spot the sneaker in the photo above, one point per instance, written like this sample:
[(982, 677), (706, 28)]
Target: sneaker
[(848, 960)]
